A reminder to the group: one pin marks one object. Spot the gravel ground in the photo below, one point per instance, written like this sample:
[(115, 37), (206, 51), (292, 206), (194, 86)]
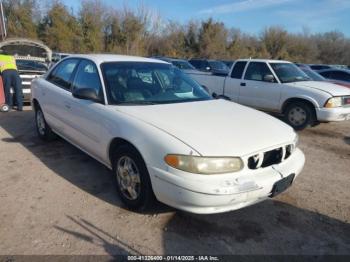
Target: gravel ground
[(54, 199)]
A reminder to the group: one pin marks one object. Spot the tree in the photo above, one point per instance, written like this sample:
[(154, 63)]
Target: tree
[(212, 39), (92, 19), (274, 40), (332, 46), (60, 30), (20, 18)]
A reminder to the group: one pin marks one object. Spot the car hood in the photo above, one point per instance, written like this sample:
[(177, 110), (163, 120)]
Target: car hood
[(215, 127), (330, 88)]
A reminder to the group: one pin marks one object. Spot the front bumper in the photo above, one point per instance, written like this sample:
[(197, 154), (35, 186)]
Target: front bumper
[(203, 194), (26, 94), (333, 114)]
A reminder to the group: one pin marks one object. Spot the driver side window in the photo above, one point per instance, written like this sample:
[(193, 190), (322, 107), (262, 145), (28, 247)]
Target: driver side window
[(256, 71)]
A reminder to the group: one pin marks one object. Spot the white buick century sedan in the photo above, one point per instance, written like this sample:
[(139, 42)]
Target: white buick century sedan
[(163, 136)]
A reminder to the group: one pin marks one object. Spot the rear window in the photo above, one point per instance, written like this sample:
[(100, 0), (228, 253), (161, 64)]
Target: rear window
[(238, 69)]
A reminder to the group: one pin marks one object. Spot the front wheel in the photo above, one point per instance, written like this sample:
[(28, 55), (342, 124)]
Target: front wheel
[(43, 129), (299, 115), (132, 179)]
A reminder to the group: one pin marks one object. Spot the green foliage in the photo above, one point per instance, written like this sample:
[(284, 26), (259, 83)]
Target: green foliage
[(20, 18), (99, 28), (212, 39), (60, 30)]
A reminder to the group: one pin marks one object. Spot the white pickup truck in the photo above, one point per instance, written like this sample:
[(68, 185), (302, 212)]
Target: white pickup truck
[(281, 87)]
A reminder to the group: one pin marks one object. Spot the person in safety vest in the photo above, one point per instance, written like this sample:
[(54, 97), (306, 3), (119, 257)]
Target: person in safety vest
[(10, 78)]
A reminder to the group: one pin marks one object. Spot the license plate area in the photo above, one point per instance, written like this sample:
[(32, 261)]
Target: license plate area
[(281, 185)]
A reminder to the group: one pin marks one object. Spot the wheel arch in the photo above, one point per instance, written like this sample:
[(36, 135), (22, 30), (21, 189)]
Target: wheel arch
[(117, 142), (35, 104), (291, 100)]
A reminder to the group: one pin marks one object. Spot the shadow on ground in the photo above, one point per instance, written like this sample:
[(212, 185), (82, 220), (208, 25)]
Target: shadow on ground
[(271, 227), (112, 245), (64, 159)]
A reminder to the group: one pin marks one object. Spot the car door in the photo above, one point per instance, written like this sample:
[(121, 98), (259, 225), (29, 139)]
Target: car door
[(259, 88), (86, 116), (57, 91), (232, 82)]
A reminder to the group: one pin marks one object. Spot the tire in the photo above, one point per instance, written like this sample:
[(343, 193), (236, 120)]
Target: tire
[(4, 108), (132, 179), (43, 129), (300, 115)]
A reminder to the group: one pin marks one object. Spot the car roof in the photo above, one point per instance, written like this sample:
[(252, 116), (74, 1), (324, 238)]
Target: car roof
[(263, 60), (102, 58)]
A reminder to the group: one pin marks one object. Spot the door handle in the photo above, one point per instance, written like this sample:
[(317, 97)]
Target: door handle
[(66, 105), (243, 84)]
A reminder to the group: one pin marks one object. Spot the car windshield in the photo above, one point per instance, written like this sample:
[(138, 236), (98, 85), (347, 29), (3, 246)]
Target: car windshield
[(29, 65), (288, 72), (183, 65), (313, 75), (218, 65), (149, 83)]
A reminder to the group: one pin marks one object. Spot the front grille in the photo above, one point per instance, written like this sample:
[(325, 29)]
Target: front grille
[(269, 158)]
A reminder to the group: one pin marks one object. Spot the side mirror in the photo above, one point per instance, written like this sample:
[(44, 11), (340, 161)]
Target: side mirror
[(87, 94), (215, 95), (269, 78)]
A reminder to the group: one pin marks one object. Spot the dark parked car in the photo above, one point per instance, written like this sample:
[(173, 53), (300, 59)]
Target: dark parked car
[(340, 75), (229, 63), (320, 67), (179, 63), (337, 74), (214, 66), (312, 74), (315, 76)]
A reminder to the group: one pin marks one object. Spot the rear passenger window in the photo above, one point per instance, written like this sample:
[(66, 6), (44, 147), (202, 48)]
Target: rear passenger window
[(238, 69), (256, 71), (62, 74)]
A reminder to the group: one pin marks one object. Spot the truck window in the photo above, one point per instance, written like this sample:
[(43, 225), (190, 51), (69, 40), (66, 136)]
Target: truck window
[(256, 71), (238, 69)]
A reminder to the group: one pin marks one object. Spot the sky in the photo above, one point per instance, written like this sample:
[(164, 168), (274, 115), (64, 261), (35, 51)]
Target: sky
[(251, 16)]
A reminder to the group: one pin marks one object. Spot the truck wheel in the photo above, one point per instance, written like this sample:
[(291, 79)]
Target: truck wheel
[(43, 129), (4, 108), (132, 179), (299, 115)]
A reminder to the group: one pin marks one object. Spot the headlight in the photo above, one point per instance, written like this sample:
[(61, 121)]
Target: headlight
[(204, 165), (334, 102)]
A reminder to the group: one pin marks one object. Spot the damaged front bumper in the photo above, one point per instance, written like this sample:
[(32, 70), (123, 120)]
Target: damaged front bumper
[(206, 194)]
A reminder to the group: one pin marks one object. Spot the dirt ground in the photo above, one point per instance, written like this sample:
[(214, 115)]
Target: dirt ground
[(54, 199)]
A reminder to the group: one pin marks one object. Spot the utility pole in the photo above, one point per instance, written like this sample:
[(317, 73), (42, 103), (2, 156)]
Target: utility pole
[(3, 32)]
